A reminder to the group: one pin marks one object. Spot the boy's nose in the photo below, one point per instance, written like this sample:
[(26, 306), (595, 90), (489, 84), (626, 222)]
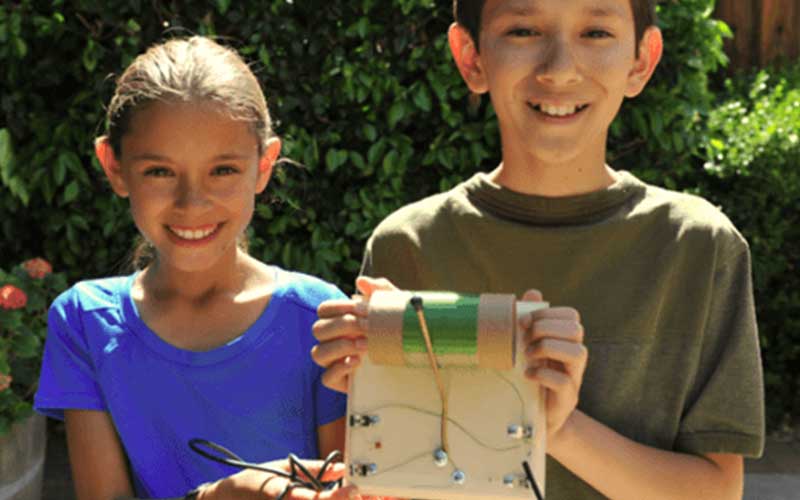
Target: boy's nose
[(559, 66)]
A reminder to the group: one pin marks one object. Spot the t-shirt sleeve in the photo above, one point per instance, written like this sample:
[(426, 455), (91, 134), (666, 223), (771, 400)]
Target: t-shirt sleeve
[(67, 379), (726, 412), (390, 254)]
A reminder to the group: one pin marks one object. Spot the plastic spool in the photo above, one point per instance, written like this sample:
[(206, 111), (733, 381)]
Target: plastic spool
[(466, 330)]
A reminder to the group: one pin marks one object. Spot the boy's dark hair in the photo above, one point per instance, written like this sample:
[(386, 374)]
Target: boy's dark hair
[(467, 13)]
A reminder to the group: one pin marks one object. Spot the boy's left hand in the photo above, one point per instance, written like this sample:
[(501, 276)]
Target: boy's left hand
[(556, 358)]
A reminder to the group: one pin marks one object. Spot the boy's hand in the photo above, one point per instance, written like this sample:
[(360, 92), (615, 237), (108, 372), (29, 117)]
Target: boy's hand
[(556, 358), (341, 330)]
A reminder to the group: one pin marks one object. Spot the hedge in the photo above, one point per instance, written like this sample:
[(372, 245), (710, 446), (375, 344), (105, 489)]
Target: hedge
[(366, 97)]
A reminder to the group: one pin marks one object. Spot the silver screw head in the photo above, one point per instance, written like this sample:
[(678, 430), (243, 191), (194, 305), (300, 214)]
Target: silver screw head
[(459, 477), (440, 458)]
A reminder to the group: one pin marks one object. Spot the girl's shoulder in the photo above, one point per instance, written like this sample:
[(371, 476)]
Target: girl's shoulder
[(92, 295), (304, 290)]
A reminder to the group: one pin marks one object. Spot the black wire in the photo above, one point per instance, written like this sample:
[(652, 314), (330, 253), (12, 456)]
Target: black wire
[(313, 482), (529, 475)]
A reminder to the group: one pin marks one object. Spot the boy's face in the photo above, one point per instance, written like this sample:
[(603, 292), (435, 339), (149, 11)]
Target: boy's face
[(557, 72)]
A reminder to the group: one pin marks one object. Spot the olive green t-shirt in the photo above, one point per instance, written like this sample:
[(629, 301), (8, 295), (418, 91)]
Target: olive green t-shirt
[(662, 282)]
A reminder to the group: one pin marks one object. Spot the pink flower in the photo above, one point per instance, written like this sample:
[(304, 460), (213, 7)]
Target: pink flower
[(12, 297), (5, 381), (37, 268)]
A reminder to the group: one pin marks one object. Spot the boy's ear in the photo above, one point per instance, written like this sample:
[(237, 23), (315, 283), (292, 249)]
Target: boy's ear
[(651, 49), (467, 58), (267, 162), (105, 155)]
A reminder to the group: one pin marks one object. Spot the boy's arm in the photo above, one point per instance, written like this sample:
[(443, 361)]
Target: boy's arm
[(621, 468)]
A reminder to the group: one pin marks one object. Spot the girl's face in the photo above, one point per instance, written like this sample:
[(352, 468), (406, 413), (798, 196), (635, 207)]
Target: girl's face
[(191, 173)]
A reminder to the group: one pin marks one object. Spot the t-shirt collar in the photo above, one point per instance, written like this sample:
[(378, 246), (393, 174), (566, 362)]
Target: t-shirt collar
[(542, 210)]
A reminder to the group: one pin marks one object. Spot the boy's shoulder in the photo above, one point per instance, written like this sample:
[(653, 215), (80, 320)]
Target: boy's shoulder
[(425, 214), (689, 216)]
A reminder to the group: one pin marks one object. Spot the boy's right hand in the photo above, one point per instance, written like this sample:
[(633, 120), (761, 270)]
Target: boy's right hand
[(341, 331)]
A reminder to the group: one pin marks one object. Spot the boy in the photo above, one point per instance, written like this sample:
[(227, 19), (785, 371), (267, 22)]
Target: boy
[(671, 399)]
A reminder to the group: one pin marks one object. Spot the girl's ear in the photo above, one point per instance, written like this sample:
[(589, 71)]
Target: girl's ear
[(467, 58), (105, 155), (267, 162), (650, 51)]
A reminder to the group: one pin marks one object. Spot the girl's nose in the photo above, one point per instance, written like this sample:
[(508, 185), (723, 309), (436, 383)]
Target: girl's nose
[(191, 193), (558, 67)]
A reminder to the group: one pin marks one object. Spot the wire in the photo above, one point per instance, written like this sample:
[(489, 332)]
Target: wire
[(311, 481), (529, 476), (449, 419), (416, 302)]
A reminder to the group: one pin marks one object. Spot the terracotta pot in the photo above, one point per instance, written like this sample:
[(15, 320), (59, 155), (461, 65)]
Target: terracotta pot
[(22, 454)]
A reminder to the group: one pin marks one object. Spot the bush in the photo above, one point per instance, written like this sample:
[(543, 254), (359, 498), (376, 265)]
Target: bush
[(752, 164), (373, 107), (25, 294)]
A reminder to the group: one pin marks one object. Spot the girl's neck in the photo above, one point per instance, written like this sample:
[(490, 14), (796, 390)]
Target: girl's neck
[(231, 276)]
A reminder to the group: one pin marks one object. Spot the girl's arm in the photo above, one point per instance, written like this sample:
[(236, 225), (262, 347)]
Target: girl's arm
[(621, 468), (330, 437), (99, 467)]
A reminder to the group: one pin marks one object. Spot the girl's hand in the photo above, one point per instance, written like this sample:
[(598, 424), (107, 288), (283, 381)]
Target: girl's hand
[(556, 359), (257, 485), (341, 331)]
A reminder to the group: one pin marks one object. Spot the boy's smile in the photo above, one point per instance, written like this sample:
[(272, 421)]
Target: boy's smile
[(557, 72)]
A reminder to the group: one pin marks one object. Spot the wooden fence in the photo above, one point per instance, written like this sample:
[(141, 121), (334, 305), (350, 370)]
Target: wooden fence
[(764, 31)]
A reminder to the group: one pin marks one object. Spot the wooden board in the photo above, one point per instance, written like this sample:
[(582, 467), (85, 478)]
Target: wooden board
[(482, 405)]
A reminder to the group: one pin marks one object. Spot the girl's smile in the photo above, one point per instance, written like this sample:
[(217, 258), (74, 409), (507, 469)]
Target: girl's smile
[(196, 236)]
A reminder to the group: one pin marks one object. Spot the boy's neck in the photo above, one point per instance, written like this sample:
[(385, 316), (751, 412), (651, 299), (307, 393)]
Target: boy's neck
[(524, 173)]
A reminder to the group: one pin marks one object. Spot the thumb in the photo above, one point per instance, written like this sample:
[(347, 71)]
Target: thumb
[(532, 295), (367, 285)]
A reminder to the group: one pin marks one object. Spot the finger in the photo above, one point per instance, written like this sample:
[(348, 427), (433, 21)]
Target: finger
[(344, 493), (336, 377), (563, 329), (301, 493), (339, 326), (565, 313), (569, 313), (550, 378), (334, 472), (338, 307), (327, 353), (532, 295), (571, 356), (367, 285)]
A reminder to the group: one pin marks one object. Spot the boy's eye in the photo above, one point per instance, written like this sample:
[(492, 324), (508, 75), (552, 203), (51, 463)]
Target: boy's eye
[(225, 170), (597, 34), (157, 172)]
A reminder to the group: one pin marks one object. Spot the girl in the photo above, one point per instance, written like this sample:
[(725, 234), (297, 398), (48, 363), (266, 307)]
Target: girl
[(205, 341)]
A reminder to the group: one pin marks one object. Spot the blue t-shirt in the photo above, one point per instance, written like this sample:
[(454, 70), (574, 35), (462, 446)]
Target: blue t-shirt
[(260, 395)]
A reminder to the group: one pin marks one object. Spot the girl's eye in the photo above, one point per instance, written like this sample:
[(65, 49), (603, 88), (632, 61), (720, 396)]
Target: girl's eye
[(597, 34), (225, 170), (157, 172), (521, 32)]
